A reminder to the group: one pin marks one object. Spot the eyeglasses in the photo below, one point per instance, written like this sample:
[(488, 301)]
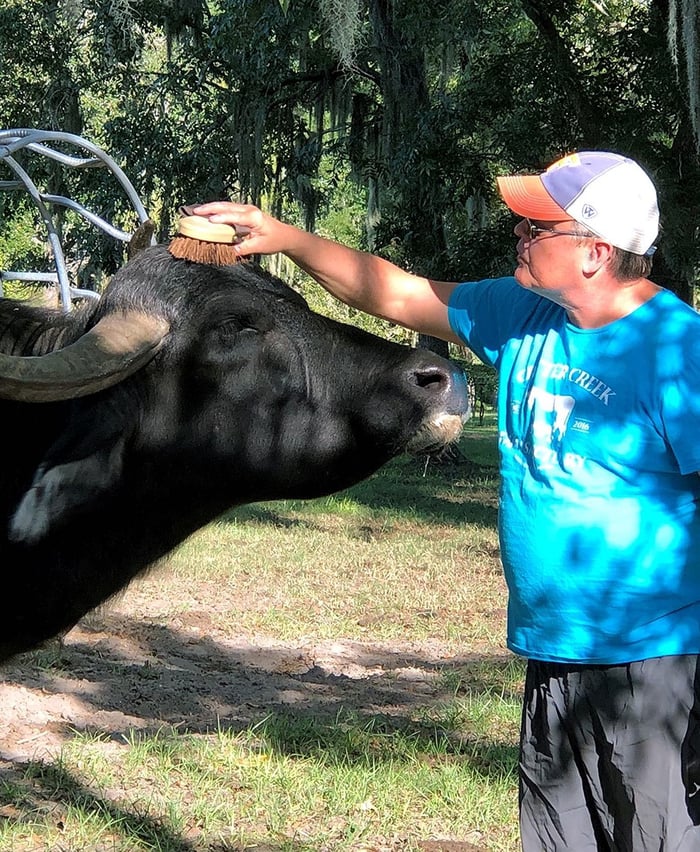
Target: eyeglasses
[(533, 231)]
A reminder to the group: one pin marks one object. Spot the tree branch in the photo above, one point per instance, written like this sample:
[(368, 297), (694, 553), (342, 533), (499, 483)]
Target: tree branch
[(566, 69)]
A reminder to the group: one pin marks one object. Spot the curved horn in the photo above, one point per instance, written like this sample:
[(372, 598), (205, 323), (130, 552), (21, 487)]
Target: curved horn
[(115, 348)]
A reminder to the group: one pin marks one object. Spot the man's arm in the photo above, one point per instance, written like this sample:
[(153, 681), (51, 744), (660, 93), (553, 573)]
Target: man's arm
[(357, 278)]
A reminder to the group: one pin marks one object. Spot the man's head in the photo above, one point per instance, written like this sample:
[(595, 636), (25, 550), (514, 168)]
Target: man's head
[(610, 195)]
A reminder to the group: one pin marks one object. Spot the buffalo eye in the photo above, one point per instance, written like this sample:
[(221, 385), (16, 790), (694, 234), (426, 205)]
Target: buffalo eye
[(232, 331)]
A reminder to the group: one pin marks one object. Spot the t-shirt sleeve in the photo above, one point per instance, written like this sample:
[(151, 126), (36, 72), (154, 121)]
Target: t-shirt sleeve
[(486, 314)]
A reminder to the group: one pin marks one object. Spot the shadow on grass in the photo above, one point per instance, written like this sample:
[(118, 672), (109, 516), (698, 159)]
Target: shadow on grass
[(358, 740), (26, 789), (29, 790), (348, 702), (456, 494)]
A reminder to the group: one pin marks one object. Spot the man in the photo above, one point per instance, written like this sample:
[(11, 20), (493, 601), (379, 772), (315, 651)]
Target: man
[(598, 413)]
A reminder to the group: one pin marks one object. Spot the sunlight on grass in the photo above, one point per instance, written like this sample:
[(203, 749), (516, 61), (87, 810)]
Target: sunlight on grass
[(401, 555), (326, 580)]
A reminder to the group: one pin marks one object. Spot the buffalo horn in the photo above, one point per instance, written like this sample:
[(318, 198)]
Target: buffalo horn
[(115, 348)]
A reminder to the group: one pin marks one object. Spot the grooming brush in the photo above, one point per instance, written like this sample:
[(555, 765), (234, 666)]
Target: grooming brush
[(202, 241)]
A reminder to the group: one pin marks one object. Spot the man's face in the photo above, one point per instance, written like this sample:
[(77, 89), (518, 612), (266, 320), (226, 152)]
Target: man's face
[(549, 256)]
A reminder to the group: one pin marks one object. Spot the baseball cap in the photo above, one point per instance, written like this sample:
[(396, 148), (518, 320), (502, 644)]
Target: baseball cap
[(609, 194)]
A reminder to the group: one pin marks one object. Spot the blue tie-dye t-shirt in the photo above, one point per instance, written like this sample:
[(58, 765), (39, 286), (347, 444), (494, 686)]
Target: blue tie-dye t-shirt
[(599, 439)]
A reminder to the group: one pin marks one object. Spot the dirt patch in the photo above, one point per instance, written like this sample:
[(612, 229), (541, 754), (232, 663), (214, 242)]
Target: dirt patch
[(120, 670)]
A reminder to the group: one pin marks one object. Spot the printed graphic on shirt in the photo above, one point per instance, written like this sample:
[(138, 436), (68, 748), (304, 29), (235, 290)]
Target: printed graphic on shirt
[(558, 371), (547, 412), (553, 413)]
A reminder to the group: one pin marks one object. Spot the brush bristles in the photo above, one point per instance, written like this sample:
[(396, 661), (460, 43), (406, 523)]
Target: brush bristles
[(200, 251)]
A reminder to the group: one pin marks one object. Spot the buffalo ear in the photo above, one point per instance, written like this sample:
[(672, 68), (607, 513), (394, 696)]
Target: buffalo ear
[(76, 471)]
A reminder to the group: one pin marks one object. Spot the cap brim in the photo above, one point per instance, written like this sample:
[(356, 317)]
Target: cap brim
[(526, 196)]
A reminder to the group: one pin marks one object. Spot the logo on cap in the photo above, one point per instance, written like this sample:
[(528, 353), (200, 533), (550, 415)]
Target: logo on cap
[(588, 211)]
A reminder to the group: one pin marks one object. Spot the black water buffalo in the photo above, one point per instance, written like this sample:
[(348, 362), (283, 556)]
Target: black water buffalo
[(185, 390)]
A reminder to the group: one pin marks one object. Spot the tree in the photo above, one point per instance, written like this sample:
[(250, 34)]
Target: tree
[(310, 107)]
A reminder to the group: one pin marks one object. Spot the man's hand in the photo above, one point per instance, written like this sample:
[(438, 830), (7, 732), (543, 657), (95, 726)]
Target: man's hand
[(266, 235)]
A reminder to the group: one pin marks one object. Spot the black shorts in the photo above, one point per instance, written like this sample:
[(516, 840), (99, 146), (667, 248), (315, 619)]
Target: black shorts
[(610, 757)]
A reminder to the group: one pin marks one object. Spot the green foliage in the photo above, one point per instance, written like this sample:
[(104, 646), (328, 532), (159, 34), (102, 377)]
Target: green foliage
[(18, 242), (483, 379), (383, 125)]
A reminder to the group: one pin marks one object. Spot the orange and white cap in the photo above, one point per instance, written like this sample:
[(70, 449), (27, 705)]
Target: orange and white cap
[(609, 194)]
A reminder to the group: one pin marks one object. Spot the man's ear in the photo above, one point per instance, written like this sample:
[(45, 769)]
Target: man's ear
[(597, 255)]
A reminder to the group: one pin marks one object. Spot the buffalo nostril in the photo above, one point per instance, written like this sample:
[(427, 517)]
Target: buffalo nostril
[(448, 385), (433, 377)]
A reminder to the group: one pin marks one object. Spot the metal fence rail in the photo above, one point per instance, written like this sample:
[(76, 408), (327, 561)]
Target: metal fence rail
[(40, 142)]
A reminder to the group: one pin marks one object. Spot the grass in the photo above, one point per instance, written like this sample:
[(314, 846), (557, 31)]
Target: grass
[(409, 555), (410, 549)]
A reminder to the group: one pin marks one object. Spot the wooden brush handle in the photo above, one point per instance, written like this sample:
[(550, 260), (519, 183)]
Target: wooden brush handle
[(187, 211), (199, 228)]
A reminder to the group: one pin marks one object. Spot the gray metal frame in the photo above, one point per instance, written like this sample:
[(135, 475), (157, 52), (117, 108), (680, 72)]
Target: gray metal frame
[(38, 141)]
